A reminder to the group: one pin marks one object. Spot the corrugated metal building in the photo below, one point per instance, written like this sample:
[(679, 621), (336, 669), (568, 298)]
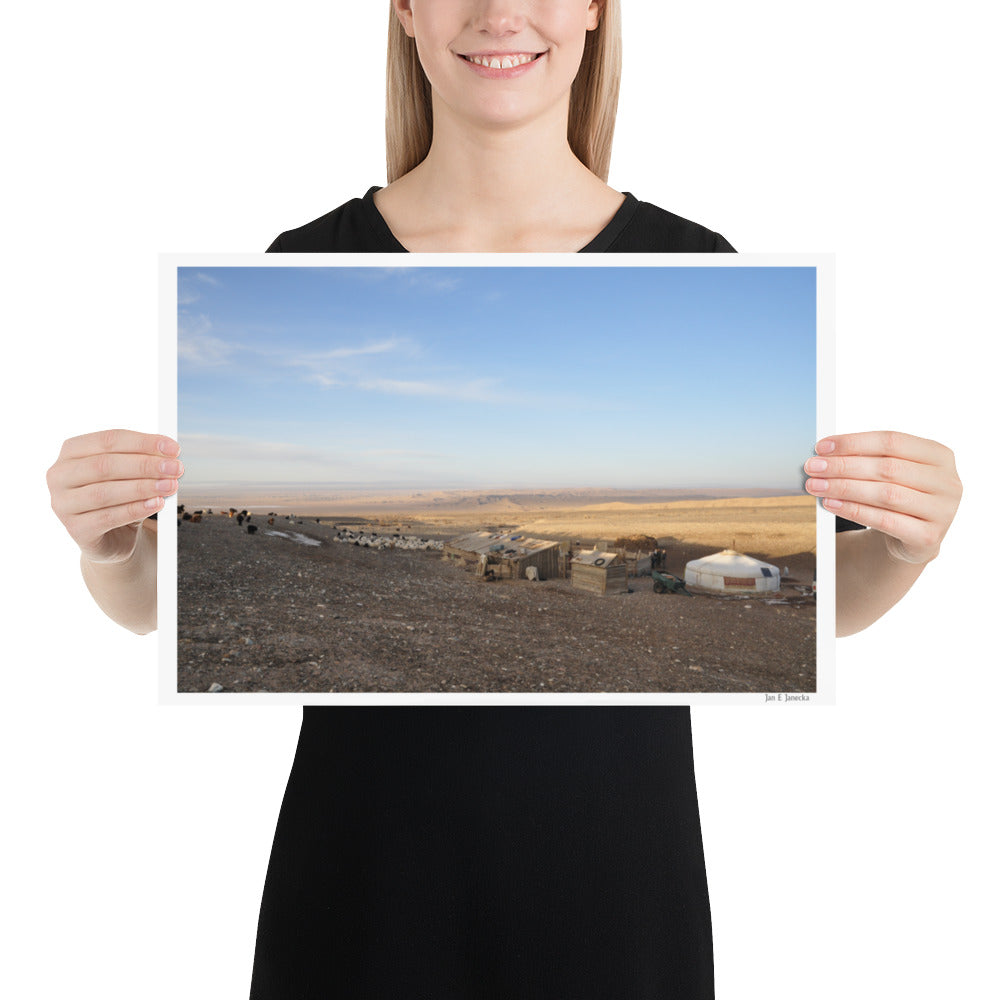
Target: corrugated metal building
[(507, 555), (599, 572)]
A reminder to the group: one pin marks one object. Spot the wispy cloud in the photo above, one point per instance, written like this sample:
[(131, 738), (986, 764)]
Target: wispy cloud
[(401, 453), (339, 353), (188, 291), (344, 365), (326, 381), (232, 458), (480, 389), (197, 347), (237, 448)]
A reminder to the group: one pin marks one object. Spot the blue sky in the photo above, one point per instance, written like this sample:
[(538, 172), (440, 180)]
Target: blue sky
[(497, 376)]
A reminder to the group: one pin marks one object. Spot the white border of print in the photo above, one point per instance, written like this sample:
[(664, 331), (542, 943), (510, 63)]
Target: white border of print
[(167, 527)]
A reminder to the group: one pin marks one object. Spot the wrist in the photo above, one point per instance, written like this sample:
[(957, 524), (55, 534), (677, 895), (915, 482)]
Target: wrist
[(900, 553), (119, 549), (125, 590)]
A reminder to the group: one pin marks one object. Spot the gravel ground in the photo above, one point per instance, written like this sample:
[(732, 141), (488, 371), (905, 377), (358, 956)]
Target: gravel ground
[(260, 612)]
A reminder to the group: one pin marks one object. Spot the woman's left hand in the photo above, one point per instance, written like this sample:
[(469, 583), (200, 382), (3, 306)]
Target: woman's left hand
[(903, 486)]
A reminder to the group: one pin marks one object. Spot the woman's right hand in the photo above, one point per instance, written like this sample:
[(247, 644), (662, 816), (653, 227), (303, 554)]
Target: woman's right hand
[(104, 485)]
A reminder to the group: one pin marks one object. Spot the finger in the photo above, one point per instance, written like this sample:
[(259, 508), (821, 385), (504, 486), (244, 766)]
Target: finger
[(89, 528), (884, 469), (883, 496), (111, 467), (114, 494), (120, 441), (886, 443), (913, 532)]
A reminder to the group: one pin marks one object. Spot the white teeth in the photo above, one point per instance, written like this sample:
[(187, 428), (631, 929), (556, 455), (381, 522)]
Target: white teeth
[(498, 62)]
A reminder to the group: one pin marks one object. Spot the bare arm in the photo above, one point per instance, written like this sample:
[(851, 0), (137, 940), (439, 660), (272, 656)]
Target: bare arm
[(126, 591), (103, 487), (908, 490), (869, 580)]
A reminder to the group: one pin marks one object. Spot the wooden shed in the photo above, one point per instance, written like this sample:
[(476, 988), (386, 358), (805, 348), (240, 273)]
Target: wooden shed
[(599, 572), (507, 555)]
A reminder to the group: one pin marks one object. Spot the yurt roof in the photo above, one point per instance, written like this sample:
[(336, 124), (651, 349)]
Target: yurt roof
[(732, 563)]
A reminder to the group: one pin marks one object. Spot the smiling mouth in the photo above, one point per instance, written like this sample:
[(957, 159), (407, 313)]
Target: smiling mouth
[(503, 60)]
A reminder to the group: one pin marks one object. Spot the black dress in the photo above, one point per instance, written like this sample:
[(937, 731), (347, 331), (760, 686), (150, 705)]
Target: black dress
[(489, 853), (638, 227)]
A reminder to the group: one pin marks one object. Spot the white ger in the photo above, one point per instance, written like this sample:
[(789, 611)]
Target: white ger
[(730, 572)]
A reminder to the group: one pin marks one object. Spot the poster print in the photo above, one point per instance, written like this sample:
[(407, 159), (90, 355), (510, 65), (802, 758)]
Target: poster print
[(486, 480)]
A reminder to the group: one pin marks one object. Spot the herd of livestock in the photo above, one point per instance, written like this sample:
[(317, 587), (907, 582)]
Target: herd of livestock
[(363, 539)]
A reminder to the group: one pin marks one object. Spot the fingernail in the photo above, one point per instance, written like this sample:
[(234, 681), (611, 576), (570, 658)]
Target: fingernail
[(825, 447), (170, 468), (816, 465), (830, 504), (153, 503), (817, 485), (166, 485), (167, 447)]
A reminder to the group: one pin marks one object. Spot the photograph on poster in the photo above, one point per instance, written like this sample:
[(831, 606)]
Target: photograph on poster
[(486, 480)]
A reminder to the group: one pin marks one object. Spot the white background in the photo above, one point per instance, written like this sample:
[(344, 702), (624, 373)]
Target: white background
[(850, 849)]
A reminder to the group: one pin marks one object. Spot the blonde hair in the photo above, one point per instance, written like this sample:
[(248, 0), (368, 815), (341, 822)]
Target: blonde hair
[(593, 100)]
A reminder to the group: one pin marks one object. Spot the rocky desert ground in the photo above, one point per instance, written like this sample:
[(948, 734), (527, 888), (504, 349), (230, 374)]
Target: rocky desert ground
[(292, 607)]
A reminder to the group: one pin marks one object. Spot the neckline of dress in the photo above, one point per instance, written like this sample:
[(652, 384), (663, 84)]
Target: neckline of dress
[(597, 245)]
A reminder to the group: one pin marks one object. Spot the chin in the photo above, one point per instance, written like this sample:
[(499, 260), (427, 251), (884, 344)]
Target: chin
[(505, 111)]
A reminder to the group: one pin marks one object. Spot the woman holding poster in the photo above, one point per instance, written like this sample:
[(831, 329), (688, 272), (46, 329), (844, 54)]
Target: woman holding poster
[(497, 851)]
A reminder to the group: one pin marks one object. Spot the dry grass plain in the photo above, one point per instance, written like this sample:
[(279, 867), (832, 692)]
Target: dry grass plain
[(766, 526)]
